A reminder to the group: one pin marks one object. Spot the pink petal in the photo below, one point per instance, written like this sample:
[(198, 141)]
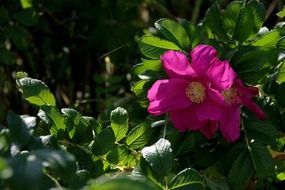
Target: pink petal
[(245, 91), (221, 74), (245, 94), (167, 95), (185, 119), (249, 104), (176, 65), (230, 123), (209, 110), (209, 129), (202, 57)]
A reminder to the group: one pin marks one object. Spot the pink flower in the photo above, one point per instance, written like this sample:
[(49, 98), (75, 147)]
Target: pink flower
[(192, 94), (234, 97)]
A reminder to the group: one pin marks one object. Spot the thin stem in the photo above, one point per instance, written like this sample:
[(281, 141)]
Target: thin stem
[(166, 182), (196, 11), (54, 180), (165, 125), (246, 139)]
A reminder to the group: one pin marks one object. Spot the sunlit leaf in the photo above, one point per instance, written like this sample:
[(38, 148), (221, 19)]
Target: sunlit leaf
[(188, 178), (214, 21), (119, 123), (281, 74), (153, 47), (36, 92), (139, 136), (281, 14), (173, 32), (159, 157)]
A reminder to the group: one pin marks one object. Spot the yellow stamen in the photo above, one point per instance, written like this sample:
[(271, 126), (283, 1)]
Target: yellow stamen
[(195, 91), (230, 95)]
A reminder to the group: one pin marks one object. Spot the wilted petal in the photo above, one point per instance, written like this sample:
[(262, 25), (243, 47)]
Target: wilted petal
[(230, 123), (202, 57), (176, 65), (167, 95)]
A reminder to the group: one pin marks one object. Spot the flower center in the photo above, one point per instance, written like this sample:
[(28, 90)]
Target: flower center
[(230, 95), (195, 91)]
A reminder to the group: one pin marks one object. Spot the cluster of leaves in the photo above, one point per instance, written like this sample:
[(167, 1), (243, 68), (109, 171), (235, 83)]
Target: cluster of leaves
[(257, 55), (65, 149)]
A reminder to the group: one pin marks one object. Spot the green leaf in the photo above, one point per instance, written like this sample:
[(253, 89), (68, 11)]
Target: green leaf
[(7, 57), (78, 127), (19, 128), (36, 92), (104, 142), (263, 132), (153, 47), (26, 3), (140, 87), (21, 74), (159, 157), (252, 63), (262, 160), (258, 11), (244, 24), (187, 179), (139, 136), (214, 21), (241, 171), (123, 183), (120, 155), (55, 117), (281, 44), (147, 65), (268, 40), (5, 169), (281, 14), (119, 123), (60, 162), (230, 16), (242, 21), (281, 74), (173, 32)]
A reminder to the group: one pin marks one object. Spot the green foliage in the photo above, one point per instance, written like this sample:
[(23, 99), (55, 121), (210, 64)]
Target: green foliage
[(119, 123), (152, 47), (159, 156), (173, 32), (84, 51), (36, 92)]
